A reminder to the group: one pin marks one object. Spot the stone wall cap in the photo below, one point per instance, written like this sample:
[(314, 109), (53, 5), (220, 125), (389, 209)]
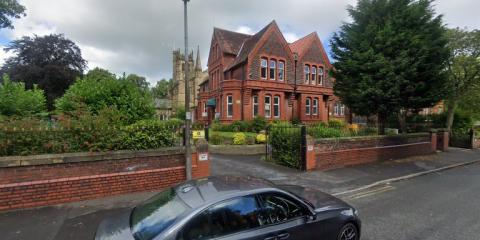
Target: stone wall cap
[(45, 159)]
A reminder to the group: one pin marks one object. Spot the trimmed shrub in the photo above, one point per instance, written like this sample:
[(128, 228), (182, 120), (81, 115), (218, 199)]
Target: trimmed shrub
[(284, 142), (150, 134), (326, 132), (240, 126), (239, 139)]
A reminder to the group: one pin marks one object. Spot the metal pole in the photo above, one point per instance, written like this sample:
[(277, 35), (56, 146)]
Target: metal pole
[(188, 155)]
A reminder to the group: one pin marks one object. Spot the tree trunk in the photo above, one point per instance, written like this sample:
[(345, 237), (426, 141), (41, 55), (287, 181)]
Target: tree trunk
[(381, 123), (451, 106), (402, 121)]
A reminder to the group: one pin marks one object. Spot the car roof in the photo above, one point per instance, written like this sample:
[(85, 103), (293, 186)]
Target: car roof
[(203, 191)]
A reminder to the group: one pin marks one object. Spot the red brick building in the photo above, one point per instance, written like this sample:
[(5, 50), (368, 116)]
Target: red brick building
[(264, 75)]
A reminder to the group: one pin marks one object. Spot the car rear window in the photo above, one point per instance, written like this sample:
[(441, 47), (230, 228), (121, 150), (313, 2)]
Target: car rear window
[(156, 214)]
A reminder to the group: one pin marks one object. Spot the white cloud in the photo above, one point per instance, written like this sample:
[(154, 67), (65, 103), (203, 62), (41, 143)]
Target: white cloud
[(290, 37), (245, 30), (4, 55)]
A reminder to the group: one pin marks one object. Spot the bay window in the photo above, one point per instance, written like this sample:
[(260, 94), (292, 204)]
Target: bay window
[(229, 106)]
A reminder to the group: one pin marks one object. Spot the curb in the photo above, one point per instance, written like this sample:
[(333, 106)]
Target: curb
[(406, 177)]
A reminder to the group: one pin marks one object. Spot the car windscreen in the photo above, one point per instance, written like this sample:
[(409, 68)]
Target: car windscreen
[(156, 214)]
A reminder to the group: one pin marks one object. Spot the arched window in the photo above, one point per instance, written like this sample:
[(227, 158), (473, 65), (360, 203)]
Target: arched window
[(314, 75), (264, 64), (320, 76), (307, 74), (273, 69)]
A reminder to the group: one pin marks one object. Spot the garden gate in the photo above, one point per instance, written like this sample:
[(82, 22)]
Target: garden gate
[(287, 145)]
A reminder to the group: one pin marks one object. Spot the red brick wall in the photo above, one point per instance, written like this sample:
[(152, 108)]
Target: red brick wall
[(54, 183), (330, 154)]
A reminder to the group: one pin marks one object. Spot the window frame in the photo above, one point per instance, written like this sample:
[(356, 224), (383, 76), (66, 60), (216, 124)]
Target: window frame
[(313, 72), (277, 105), (229, 104), (306, 73), (282, 70), (308, 106), (205, 110), (272, 68), (315, 106), (288, 197), (262, 67), (207, 209), (255, 105), (269, 106), (321, 76)]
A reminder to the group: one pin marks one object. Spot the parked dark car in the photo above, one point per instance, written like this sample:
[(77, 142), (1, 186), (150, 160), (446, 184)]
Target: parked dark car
[(233, 207)]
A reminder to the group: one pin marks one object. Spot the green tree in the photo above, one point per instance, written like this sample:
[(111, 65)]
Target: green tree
[(463, 71), (162, 88), (52, 62), (15, 100), (97, 92), (139, 81), (10, 9), (391, 58)]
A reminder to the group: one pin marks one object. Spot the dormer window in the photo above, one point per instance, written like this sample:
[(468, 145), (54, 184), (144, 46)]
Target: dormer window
[(314, 74), (307, 74), (273, 69), (264, 65)]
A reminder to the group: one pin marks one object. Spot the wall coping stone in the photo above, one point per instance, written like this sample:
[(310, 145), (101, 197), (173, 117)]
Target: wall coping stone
[(363, 138), (48, 159)]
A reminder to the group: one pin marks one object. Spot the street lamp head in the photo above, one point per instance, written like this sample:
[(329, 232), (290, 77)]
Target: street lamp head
[(185, 1)]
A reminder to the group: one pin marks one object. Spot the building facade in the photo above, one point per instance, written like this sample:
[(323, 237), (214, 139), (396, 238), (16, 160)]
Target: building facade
[(264, 75), (176, 94)]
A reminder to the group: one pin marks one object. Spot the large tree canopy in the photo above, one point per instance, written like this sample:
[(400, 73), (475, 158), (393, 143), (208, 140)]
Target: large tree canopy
[(100, 90), (52, 62), (10, 9), (162, 88), (390, 58), (463, 72)]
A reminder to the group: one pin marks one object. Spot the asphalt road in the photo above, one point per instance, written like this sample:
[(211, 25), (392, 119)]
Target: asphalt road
[(441, 206)]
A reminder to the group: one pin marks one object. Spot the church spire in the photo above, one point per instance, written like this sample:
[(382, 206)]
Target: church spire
[(198, 64)]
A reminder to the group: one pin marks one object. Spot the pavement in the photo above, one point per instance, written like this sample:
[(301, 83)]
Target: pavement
[(342, 179), (392, 207)]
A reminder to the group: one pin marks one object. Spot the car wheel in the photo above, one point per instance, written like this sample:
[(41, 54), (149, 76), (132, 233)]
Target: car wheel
[(348, 232)]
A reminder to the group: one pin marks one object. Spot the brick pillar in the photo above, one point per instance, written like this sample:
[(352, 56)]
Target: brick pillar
[(445, 140), (201, 159), (311, 163), (433, 140)]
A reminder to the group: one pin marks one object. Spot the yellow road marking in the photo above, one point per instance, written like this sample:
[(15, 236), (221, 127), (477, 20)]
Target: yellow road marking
[(371, 192)]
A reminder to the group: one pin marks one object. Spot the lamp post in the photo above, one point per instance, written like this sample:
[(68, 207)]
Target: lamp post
[(295, 58), (188, 117)]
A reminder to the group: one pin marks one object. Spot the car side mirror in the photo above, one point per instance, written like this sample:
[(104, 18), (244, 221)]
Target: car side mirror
[(312, 216)]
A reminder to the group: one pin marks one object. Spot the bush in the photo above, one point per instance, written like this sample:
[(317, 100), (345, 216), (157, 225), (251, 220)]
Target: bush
[(240, 126), (284, 143), (261, 138), (336, 124), (15, 100), (215, 138), (97, 91), (150, 134), (326, 132), (258, 124), (239, 139)]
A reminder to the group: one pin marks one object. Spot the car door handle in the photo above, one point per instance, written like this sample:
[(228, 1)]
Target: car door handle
[(283, 236)]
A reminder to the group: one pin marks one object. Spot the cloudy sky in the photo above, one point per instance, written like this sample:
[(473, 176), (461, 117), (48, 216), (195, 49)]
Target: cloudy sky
[(138, 36)]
